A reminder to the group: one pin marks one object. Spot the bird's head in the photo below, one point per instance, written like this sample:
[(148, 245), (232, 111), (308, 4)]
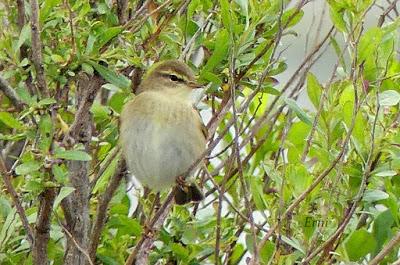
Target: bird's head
[(171, 77)]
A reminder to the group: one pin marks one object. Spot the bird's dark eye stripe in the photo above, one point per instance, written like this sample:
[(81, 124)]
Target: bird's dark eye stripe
[(175, 78)]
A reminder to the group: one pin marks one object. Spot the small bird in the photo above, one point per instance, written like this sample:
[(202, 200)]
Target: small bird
[(161, 133)]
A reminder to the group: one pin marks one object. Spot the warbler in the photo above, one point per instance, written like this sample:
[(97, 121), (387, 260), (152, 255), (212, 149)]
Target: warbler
[(161, 133)]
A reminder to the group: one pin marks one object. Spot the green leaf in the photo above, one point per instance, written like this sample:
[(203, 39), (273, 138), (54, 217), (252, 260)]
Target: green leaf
[(23, 36), (10, 121), (266, 252), (47, 101), (385, 173), (64, 192), (117, 100), (46, 131), (294, 243), (57, 58), (90, 44), (108, 34), (25, 96), (118, 80), (225, 14), (220, 52), (359, 244), (237, 254), (294, 14), (87, 68), (301, 114), (5, 207), (180, 251), (369, 42), (256, 187), (314, 89), (337, 19), (125, 225), (59, 174), (298, 178), (46, 8), (27, 167), (73, 155), (338, 52), (382, 228), (374, 195), (389, 98)]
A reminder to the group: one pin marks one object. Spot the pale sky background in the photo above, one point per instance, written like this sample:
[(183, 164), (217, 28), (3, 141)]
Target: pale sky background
[(296, 50)]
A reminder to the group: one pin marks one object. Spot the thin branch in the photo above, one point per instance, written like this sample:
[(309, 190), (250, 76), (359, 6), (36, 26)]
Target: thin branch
[(142, 249), (238, 158), (314, 184), (382, 17), (10, 93), (74, 240), (15, 198), (102, 207)]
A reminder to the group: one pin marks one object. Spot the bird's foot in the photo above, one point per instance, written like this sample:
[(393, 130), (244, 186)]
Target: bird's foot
[(149, 231), (180, 180)]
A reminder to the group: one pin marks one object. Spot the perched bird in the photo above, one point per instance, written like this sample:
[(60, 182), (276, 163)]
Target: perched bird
[(161, 133)]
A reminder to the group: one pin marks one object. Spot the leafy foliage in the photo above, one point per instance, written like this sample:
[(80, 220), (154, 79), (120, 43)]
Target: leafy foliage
[(288, 185)]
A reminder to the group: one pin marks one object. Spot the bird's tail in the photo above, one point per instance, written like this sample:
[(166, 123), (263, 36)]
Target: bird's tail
[(190, 193)]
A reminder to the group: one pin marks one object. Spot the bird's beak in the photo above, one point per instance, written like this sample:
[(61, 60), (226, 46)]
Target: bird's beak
[(194, 85)]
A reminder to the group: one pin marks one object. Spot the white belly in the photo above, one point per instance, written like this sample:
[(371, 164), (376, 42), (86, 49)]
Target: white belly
[(158, 148)]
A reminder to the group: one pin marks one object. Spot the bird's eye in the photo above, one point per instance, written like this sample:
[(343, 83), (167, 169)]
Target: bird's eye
[(173, 77)]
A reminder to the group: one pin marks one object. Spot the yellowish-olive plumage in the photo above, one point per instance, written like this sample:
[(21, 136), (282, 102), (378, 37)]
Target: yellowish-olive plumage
[(161, 133)]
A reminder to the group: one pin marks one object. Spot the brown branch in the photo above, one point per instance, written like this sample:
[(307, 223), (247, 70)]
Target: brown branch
[(73, 240), (122, 11), (42, 227), (21, 13), (10, 93), (37, 49), (110, 158), (386, 250), (15, 198), (76, 206), (102, 207), (141, 252), (382, 17), (236, 151)]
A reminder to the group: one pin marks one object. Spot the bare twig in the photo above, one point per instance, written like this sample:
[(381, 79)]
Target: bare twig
[(382, 17), (243, 183), (317, 180)]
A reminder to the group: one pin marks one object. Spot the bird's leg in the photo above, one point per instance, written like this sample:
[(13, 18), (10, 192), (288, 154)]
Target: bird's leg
[(180, 180)]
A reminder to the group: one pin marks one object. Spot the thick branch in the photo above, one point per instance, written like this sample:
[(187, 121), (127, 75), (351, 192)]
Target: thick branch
[(122, 11), (76, 205), (37, 50), (42, 227)]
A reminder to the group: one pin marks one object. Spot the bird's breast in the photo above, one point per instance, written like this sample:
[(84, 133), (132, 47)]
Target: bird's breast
[(160, 138)]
